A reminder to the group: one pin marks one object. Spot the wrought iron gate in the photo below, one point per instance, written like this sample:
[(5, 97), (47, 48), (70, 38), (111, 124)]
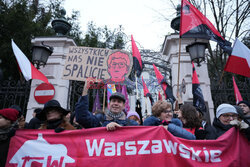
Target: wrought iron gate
[(14, 92), (224, 92)]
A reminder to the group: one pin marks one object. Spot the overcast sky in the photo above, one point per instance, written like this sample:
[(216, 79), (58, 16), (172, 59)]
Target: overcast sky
[(140, 18)]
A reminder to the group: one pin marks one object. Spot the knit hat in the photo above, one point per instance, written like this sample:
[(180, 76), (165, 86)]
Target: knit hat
[(245, 102), (131, 113), (10, 114), (225, 108)]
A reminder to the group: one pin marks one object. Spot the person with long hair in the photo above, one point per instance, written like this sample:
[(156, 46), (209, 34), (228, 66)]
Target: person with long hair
[(191, 121)]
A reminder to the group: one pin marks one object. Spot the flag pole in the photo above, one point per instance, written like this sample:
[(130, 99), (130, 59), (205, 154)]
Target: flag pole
[(146, 107), (103, 103), (179, 57), (136, 87)]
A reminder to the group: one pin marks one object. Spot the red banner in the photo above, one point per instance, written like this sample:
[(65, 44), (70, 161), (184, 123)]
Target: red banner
[(126, 146)]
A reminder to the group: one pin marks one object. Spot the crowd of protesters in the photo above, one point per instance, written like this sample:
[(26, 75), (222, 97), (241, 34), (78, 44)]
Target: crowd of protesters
[(185, 123)]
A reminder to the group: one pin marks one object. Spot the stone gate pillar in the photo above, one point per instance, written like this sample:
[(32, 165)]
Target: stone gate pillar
[(171, 51), (53, 70)]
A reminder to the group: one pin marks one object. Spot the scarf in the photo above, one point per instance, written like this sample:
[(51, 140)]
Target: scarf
[(112, 116), (52, 124)]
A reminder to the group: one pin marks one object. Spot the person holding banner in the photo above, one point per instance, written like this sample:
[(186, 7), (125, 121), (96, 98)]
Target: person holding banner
[(113, 118), (55, 117), (8, 122), (225, 113), (163, 116)]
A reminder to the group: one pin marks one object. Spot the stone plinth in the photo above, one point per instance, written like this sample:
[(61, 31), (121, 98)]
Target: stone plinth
[(171, 51), (53, 71)]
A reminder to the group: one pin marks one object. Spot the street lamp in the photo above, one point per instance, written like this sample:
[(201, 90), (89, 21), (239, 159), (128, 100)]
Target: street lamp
[(197, 52), (40, 54)]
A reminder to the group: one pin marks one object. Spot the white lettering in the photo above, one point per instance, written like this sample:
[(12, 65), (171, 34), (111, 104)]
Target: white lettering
[(195, 155), (206, 155), (144, 146), (214, 154), (169, 146), (156, 148), (184, 151), (110, 149), (94, 147), (131, 150), (119, 144)]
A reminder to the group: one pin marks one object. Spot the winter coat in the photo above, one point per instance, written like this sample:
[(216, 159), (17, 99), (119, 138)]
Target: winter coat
[(4, 146), (34, 123), (216, 130), (88, 120), (175, 127)]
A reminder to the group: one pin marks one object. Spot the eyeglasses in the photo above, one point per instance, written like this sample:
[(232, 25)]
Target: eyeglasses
[(120, 65), (230, 115), (167, 111)]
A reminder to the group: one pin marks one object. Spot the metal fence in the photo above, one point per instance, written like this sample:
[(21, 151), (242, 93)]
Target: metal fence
[(224, 92), (14, 92)]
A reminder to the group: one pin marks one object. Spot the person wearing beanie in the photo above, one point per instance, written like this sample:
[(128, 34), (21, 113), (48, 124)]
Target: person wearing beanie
[(54, 117), (112, 119), (245, 107), (134, 116), (8, 121), (225, 113)]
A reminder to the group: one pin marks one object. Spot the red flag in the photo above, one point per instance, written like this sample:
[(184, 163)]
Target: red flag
[(198, 99), (146, 91), (28, 70), (237, 92), (165, 86), (195, 25), (136, 58), (159, 96), (239, 61)]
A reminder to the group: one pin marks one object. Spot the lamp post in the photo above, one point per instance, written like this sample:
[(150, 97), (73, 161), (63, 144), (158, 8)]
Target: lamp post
[(197, 52), (40, 54)]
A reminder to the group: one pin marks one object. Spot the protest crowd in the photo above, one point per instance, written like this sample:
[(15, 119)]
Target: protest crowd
[(184, 122)]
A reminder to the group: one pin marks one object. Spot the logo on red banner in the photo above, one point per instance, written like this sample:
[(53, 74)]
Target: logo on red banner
[(44, 154), (44, 92)]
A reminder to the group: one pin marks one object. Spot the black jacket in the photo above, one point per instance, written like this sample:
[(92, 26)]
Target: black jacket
[(34, 123), (216, 130), (4, 147)]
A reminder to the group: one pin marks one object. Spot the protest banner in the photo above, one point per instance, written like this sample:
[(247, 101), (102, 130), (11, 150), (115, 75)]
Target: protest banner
[(126, 146), (99, 63)]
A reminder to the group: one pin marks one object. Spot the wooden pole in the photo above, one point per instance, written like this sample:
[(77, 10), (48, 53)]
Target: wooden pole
[(179, 58), (146, 107), (103, 103), (136, 87), (221, 78)]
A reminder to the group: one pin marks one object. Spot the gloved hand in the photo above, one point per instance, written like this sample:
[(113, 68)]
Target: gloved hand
[(59, 129), (243, 125), (235, 123)]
